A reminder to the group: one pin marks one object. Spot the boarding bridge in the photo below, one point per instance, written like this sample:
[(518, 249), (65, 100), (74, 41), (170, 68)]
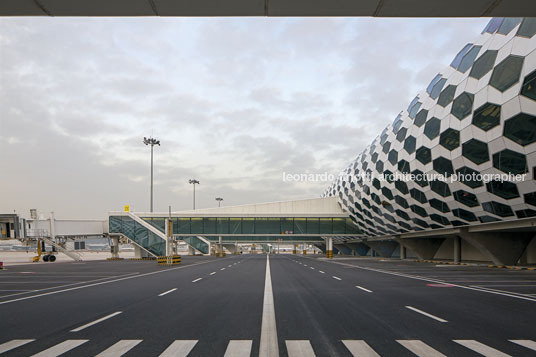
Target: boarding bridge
[(312, 221)]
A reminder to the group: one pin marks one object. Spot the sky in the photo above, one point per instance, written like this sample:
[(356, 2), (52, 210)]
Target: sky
[(237, 103)]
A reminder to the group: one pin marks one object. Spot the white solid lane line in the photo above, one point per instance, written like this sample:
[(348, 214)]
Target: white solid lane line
[(299, 348), (426, 314), (268, 345), (420, 348), (481, 348), (239, 348), (196, 280), (167, 292), (362, 288), (60, 348), (359, 348), (526, 343), (96, 321), (119, 348), (222, 269), (312, 268), (336, 277), (320, 271), (213, 273), (8, 346), (179, 348)]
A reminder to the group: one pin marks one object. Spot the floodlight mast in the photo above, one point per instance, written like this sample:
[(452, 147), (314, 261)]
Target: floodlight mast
[(151, 141), (194, 182), (219, 199)]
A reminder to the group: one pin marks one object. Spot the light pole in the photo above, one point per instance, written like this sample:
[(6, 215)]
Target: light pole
[(219, 199), (194, 182), (152, 142)]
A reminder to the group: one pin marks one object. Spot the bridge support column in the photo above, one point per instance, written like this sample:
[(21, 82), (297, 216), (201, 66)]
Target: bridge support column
[(115, 247), (329, 247), (220, 247), (402, 252)]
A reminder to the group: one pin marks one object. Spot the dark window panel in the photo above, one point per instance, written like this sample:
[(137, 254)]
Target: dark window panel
[(420, 118), (487, 116), (506, 73), (469, 177), (458, 59), (446, 96), (401, 201), (465, 198), (508, 25), (401, 134), (431, 129), (504, 189), (418, 210), (528, 27), (409, 144), (450, 139), (465, 215), (510, 162), (418, 195), (483, 64), (476, 151), (439, 219), (403, 166), (440, 187), (437, 88), (498, 209), (420, 178), (521, 129), (393, 157), (462, 105), (443, 166), (402, 187), (529, 85)]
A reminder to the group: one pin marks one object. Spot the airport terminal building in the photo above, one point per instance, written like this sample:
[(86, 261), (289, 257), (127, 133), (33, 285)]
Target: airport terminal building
[(463, 154)]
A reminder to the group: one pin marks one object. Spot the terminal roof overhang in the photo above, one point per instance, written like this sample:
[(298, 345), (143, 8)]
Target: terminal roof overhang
[(377, 8)]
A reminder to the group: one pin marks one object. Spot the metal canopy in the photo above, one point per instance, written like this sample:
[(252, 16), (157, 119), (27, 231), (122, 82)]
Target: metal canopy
[(377, 8)]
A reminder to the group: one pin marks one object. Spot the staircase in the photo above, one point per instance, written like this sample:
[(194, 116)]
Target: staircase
[(198, 243), (59, 248)]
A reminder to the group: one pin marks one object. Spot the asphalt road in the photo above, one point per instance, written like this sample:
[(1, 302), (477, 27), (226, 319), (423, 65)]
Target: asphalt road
[(223, 306)]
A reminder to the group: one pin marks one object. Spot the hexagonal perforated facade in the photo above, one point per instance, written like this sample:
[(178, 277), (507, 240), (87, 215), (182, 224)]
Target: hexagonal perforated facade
[(478, 116)]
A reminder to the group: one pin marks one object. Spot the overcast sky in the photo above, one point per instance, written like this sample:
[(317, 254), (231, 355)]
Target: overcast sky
[(236, 102)]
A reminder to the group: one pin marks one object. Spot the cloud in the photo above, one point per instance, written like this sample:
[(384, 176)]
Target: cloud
[(236, 102)]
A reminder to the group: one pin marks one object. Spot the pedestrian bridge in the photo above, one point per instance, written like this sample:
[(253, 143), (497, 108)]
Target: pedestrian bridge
[(303, 221)]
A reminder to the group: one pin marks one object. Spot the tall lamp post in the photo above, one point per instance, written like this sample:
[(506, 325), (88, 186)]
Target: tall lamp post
[(194, 182), (152, 142), (219, 199)]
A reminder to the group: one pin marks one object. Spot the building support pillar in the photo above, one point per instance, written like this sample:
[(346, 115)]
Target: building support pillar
[(329, 247), (457, 257), (502, 248), (384, 249), (402, 252)]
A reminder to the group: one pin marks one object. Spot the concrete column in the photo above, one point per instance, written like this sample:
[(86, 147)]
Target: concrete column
[(457, 257), (115, 247), (329, 247), (295, 250), (402, 252), (220, 246), (191, 251)]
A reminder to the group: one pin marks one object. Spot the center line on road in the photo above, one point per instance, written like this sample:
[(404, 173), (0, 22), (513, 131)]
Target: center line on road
[(196, 280), (321, 272), (268, 345), (336, 277), (167, 292), (96, 321), (213, 273), (426, 314), (362, 288)]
